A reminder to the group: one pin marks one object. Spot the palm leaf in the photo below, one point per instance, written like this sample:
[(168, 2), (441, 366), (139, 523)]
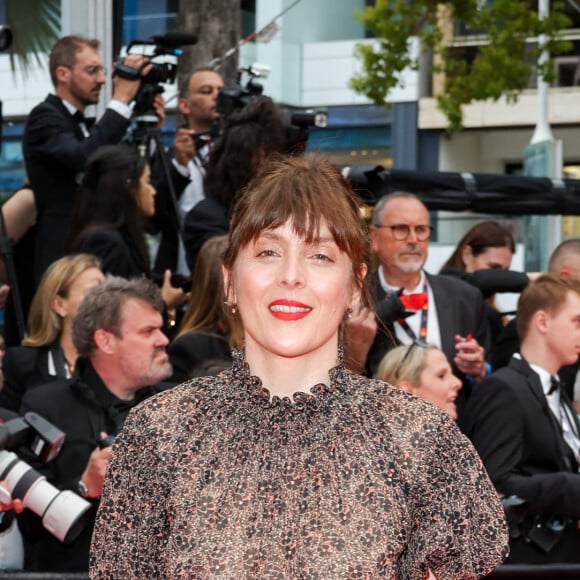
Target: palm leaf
[(35, 26)]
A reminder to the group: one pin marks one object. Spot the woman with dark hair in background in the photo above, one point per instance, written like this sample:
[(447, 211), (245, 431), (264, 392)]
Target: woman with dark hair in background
[(288, 465), (248, 138), (207, 332), (482, 258), (115, 199)]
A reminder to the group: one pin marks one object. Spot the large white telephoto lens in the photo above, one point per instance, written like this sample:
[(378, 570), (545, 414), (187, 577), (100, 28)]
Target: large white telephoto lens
[(63, 513)]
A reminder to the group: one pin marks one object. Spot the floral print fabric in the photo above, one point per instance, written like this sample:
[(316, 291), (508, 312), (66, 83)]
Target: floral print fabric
[(214, 479)]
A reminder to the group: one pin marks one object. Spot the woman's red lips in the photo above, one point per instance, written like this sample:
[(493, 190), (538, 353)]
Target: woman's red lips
[(289, 309)]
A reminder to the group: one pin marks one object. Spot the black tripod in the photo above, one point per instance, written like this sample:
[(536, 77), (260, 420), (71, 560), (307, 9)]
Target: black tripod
[(147, 138)]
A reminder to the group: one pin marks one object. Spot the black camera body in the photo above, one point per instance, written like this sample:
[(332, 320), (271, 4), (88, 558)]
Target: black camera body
[(162, 45), (42, 438), (298, 121), (64, 513)]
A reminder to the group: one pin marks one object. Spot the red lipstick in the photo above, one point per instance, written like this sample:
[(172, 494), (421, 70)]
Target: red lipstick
[(289, 309)]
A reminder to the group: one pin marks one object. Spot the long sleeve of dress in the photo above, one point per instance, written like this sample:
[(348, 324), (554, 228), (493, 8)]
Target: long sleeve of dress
[(456, 507), (137, 522)]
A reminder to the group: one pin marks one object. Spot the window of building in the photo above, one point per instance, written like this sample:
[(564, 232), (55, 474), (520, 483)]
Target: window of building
[(146, 18)]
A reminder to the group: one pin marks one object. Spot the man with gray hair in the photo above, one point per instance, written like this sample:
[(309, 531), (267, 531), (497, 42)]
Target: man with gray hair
[(412, 305), (122, 360)]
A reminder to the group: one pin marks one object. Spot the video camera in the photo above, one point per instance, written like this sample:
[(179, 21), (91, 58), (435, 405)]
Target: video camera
[(63, 513), (298, 121), (162, 45)]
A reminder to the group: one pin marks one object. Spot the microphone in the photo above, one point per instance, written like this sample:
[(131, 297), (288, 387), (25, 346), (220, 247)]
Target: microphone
[(175, 39)]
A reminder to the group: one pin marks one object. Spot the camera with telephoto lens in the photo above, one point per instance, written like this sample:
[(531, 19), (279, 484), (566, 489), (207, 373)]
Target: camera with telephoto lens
[(63, 513), (158, 48)]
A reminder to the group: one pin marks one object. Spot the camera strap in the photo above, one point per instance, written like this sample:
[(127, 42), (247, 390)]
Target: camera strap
[(126, 72)]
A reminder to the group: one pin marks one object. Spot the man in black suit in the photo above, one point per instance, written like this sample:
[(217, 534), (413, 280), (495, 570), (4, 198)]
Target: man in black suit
[(58, 140), (122, 359), (522, 424), (564, 261), (412, 305)]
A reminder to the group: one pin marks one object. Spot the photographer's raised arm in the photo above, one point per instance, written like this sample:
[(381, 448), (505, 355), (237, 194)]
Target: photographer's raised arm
[(125, 89)]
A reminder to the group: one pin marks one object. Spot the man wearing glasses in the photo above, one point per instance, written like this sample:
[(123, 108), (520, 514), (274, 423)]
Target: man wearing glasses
[(412, 305), (58, 139)]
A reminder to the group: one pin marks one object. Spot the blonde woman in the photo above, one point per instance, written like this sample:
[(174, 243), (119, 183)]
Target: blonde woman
[(47, 352), (423, 371)]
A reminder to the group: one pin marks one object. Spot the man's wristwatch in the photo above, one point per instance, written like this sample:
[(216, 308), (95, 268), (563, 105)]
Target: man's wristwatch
[(82, 489)]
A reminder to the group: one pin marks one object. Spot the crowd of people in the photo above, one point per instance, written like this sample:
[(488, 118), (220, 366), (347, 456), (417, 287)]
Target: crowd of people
[(287, 412)]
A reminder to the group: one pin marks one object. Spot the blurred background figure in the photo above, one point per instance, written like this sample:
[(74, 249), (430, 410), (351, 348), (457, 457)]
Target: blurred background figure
[(18, 225), (48, 353), (486, 245), (248, 138), (122, 360), (424, 372), (112, 206), (208, 332), (482, 258), (189, 156)]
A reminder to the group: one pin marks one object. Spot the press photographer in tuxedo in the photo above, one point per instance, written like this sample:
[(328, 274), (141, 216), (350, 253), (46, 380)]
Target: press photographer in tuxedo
[(58, 139)]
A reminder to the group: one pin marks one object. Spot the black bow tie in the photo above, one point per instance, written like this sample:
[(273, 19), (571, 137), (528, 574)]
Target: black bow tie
[(80, 118), (554, 385)]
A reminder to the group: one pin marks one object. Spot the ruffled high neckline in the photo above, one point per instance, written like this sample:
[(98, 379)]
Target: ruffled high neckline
[(299, 401)]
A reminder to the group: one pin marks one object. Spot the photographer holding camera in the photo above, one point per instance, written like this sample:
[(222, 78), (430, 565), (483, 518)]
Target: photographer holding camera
[(58, 139), (197, 104), (122, 360)]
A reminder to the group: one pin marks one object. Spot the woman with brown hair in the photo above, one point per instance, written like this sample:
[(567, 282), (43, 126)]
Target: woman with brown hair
[(482, 258), (207, 331), (289, 465)]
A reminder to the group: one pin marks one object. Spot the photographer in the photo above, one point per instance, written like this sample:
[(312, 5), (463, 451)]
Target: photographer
[(58, 139), (197, 104), (122, 359)]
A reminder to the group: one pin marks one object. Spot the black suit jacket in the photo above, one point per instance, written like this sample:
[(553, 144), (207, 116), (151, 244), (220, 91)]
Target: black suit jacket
[(55, 152), (166, 220), (206, 219), (190, 350), (518, 438), (508, 343), (521, 444), (82, 408), (460, 310), (26, 367), (117, 256)]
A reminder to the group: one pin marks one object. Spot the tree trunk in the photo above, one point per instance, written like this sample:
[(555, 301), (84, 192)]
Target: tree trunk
[(217, 26)]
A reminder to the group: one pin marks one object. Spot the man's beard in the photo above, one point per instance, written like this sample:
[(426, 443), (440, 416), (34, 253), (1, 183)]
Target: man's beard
[(410, 265), (86, 99)]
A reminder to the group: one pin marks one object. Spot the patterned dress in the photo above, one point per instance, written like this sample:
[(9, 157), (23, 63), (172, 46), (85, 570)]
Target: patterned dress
[(216, 479)]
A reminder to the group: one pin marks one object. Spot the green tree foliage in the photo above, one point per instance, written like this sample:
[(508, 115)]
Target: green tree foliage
[(35, 26), (502, 66)]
